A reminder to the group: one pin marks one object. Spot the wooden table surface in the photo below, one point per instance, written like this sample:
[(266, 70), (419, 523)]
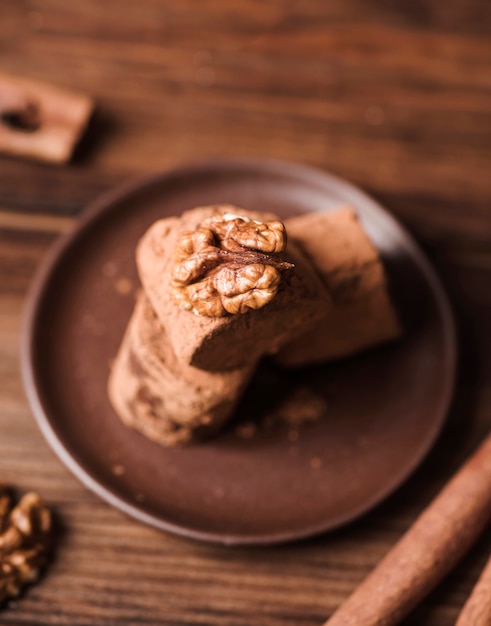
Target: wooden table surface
[(395, 97)]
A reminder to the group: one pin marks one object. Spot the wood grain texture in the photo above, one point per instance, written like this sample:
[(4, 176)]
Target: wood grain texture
[(393, 96)]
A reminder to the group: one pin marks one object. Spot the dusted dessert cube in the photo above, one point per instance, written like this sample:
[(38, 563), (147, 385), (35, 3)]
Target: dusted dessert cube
[(226, 287), (350, 266), (167, 401)]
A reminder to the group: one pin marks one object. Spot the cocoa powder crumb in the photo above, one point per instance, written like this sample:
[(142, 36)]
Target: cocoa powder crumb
[(123, 286), (300, 407), (246, 431), (109, 269), (293, 436), (118, 469), (219, 492)]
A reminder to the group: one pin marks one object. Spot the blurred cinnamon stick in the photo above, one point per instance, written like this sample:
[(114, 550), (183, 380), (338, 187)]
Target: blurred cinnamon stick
[(430, 548), (40, 121), (477, 609)]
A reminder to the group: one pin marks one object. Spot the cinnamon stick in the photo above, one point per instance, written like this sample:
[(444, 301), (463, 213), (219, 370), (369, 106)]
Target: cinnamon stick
[(477, 609), (430, 548), (39, 120)]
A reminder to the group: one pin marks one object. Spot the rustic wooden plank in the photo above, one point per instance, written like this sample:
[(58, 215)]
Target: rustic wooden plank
[(38, 223), (51, 190), (393, 96)]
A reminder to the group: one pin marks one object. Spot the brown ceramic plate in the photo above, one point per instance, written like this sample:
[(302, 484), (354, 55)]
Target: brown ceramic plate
[(383, 409)]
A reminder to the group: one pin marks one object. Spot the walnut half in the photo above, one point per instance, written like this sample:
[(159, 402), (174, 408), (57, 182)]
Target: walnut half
[(25, 532), (228, 265)]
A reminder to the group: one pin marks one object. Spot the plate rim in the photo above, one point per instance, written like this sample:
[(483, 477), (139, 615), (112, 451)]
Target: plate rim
[(102, 204)]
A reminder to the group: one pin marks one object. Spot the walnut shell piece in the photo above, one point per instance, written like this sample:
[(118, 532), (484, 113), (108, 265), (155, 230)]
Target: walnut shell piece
[(228, 265), (25, 532)]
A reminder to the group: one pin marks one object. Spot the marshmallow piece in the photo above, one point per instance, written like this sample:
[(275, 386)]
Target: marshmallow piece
[(362, 315), (221, 343), (167, 401)]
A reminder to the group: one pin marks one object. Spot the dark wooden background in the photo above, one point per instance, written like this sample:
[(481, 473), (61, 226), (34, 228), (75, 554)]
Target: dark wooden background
[(394, 96)]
